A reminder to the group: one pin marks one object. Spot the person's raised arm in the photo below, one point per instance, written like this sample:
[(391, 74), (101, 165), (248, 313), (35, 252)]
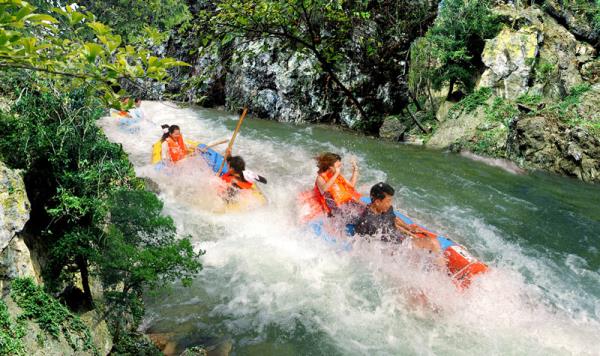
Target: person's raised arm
[(354, 177), (323, 185)]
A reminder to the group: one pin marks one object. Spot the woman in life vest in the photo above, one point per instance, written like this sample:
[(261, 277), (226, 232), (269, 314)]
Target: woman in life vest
[(173, 147), (338, 196)]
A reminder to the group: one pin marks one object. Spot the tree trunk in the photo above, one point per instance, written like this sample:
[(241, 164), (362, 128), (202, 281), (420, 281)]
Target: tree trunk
[(327, 67), (417, 121), (85, 281)]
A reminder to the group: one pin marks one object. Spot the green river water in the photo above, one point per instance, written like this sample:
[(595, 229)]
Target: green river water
[(272, 288)]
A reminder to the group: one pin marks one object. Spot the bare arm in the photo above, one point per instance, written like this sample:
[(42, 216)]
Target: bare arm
[(354, 177), (324, 186)]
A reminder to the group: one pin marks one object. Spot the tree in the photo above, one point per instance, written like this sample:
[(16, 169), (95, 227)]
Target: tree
[(74, 46), (456, 41), (135, 19), (319, 27)]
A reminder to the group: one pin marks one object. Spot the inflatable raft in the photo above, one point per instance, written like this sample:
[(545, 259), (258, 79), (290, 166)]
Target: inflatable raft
[(461, 265), (248, 198), (126, 122)]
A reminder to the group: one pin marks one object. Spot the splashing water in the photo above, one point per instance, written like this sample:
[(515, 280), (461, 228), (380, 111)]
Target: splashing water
[(275, 289)]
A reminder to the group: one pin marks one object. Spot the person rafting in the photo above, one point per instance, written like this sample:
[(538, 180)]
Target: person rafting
[(238, 178), (173, 148), (379, 219), (337, 196), (136, 112)]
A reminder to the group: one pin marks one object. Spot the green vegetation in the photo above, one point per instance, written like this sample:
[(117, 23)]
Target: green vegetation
[(72, 45), (451, 52), (58, 75), (52, 317), (470, 103), (11, 333), (138, 20)]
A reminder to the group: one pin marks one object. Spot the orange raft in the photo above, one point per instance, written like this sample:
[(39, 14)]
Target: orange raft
[(462, 266)]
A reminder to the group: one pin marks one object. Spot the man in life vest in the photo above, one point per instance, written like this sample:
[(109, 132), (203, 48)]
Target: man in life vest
[(336, 195), (173, 147)]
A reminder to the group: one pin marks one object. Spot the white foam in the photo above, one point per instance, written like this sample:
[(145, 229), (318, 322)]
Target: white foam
[(262, 269)]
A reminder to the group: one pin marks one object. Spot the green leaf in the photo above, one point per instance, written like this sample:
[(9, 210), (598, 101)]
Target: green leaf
[(93, 50)]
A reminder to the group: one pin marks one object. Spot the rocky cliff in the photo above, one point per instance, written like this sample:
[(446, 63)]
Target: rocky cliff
[(536, 101), (17, 262)]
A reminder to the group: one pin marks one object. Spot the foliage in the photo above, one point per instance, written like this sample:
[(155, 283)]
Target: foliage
[(456, 41), (501, 111), (135, 344), (52, 317), (135, 19), (11, 333), (87, 202), (470, 103), (72, 44)]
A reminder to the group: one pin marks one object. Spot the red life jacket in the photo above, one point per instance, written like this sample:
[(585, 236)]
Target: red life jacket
[(231, 179), (177, 149), (341, 191)]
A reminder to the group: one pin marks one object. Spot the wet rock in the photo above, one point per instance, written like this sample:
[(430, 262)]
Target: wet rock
[(164, 342), (392, 129), (195, 351)]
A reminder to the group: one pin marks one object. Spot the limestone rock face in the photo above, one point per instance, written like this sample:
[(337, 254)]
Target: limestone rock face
[(453, 129), (15, 261), (510, 57), (575, 19), (14, 205), (545, 143)]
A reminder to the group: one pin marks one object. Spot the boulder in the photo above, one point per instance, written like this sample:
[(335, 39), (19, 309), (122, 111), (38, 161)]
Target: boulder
[(509, 58), (459, 128), (15, 262), (392, 128), (14, 205), (544, 142)]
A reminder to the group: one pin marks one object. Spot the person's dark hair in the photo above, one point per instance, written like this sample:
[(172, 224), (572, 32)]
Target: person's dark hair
[(138, 99), (327, 160), (165, 134), (172, 128), (237, 164), (379, 190)]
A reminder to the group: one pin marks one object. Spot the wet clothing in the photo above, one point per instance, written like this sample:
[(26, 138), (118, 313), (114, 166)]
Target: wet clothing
[(372, 223), (340, 192), (236, 182)]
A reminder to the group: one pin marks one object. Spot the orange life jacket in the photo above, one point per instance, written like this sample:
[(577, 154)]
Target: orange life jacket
[(341, 191), (231, 179), (177, 149)]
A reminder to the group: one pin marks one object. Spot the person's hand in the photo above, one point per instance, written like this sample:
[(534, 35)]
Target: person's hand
[(228, 152), (354, 165), (202, 149)]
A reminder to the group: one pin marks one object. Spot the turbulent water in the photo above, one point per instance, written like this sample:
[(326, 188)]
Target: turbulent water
[(274, 289)]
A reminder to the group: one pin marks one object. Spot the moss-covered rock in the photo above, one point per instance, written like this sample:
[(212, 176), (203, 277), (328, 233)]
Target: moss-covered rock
[(14, 205), (509, 58)]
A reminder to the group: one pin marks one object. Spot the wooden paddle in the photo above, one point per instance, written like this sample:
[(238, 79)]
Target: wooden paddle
[(237, 129)]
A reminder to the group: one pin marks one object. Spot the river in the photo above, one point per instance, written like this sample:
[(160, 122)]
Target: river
[(274, 289)]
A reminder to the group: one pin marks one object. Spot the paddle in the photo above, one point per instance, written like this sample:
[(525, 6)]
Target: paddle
[(237, 129)]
